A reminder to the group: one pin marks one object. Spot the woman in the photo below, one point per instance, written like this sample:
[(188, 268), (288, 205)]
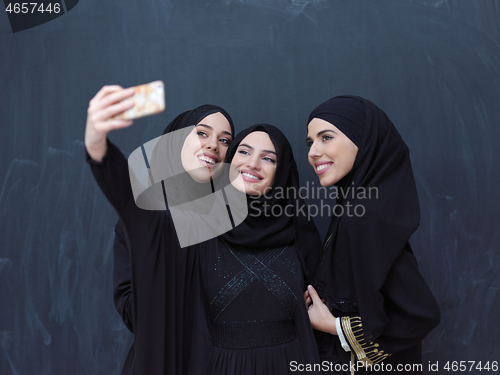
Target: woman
[(183, 188), (159, 307), (258, 324), (377, 305), (225, 305)]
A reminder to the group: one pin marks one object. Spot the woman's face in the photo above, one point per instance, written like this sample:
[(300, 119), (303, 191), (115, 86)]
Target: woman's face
[(205, 147), (254, 164), (331, 152)]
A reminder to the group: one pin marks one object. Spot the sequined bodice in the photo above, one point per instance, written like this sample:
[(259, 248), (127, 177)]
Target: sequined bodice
[(252, 296)]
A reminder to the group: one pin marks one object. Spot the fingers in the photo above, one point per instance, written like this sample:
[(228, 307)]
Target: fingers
[(107, 103), (313, 294), (116, 97), (107, 126), (308, 302), (103, 107), (105, 90), (111, 111), (112, 97)]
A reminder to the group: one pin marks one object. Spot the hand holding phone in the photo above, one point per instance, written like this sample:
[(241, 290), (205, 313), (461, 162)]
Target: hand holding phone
[(148, 99), (114, 107)]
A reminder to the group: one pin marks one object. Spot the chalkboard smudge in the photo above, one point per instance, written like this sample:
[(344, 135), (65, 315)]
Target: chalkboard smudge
[(5, 341), (4, 263)]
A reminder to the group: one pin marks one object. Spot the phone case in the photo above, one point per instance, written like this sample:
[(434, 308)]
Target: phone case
[(149, 99)]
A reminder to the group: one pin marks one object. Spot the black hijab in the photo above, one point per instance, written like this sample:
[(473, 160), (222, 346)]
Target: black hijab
[(360, 249), (165, 165), (194, 116), (263, 229)]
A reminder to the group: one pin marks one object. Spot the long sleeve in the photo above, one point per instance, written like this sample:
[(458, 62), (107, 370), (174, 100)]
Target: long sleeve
[(411, 310), (122, 277), (155, 302), (366, 352), (112, 176)]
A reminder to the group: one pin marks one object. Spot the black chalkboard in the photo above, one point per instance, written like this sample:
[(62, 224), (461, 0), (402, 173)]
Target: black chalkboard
[(432, 65)]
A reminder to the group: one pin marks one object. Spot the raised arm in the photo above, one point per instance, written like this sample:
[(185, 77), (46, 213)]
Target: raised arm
[(106, 104), (109, 166)]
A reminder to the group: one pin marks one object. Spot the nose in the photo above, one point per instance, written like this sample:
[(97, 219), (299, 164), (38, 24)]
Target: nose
[(253, 162), (211, 144), (314, 151)]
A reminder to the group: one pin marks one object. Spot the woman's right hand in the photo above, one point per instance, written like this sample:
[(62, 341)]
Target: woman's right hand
[(319, 314), (106, 104)]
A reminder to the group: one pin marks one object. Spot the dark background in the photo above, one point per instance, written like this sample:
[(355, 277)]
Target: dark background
[(433, 66)]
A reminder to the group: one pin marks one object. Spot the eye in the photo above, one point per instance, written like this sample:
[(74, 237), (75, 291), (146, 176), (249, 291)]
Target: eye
[(309, 143), (225, 141), (326, 137), (243, 152), (202, 134), (267, 158)]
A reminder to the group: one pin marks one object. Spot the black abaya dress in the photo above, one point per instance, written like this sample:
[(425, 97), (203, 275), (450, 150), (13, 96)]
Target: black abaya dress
[(367, 272), (209, 308)]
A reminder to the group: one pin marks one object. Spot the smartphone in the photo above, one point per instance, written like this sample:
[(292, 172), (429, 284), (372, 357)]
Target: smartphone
[(149, 99)]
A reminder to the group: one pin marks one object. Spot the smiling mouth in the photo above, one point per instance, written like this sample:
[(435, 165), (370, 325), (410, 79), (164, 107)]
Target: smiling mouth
[(323, 168), (208, 160), (251, 176)]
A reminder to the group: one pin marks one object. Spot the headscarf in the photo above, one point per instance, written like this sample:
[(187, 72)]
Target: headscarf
[(262, 228), (194, 116), (359, 250), (164, 156)]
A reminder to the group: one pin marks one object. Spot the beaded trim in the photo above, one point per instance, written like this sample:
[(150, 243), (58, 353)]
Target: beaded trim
[(252, 333), (367, 353), (256, 267)]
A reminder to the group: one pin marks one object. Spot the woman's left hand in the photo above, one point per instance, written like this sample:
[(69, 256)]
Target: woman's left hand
[(319, 314)]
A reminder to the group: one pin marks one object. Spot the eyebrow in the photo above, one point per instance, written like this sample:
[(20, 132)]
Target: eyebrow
[(321, 133), (251, 148), (209, 127)]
